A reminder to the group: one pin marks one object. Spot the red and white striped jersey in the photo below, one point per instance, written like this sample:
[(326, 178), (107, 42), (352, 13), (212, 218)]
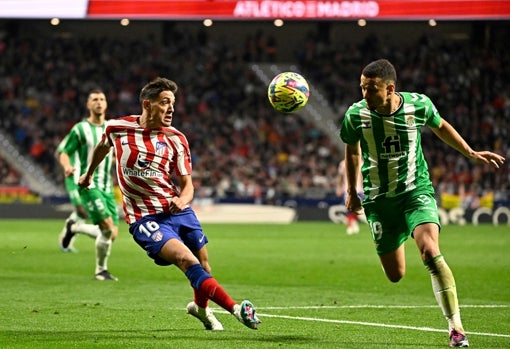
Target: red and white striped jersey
[(147, 161)]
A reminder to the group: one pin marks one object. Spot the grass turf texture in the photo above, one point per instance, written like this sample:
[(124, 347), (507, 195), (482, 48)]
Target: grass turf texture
[(314, 286)]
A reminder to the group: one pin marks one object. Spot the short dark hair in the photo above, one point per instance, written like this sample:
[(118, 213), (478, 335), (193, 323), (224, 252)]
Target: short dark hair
[(381, 68), (95, 90), (152, 90)]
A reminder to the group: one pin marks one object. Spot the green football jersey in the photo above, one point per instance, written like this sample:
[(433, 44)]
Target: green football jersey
[(71, 182), (81, 140), (393, 160), (73, 158)]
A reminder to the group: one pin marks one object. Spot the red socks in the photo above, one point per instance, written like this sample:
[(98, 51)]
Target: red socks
[(211, 289)]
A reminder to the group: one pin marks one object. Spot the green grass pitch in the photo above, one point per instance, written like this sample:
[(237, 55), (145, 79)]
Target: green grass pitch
[(314, 287)]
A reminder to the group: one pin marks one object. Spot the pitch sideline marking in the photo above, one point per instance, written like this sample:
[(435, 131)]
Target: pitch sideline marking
[(366, 306), (374, 324)]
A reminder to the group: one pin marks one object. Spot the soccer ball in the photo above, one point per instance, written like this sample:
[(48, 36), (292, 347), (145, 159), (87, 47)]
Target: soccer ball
[(288, 92)]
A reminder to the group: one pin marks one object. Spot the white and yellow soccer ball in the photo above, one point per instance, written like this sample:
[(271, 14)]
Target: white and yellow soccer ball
[(288, 92)]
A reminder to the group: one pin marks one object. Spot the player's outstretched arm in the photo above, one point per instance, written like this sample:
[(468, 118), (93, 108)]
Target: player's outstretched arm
[(352, 165), (100, 151), (450, 136), (65, 162)]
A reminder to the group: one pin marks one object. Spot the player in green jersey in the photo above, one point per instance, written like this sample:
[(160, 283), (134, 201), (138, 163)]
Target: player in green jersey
[(382, 132), (98, 199), (76, 222)]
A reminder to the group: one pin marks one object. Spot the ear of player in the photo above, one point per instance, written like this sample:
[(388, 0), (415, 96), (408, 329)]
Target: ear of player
[(288, 92)]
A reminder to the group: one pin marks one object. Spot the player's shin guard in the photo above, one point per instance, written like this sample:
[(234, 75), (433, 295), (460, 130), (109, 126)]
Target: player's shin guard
[(443, 285), (103, 247)]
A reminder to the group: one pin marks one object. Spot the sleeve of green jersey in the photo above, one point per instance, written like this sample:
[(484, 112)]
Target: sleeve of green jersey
[(348, 132), (71, 142), (433, 117), (62, 144)]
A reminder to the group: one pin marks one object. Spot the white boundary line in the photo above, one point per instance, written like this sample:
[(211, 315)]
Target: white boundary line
[(374, 324), (369, 306)]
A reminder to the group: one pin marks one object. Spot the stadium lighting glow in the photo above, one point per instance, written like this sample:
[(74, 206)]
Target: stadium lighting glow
[(278, 23)]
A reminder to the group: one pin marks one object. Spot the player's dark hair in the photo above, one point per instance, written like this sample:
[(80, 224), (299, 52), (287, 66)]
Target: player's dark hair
[(95, 91), (152, 90), (382, 68)]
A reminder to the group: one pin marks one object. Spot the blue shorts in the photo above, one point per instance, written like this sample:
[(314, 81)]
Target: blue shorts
[(153, 231)]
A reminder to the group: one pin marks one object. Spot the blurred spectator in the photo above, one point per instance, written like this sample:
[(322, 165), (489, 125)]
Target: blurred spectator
[(8, 176)]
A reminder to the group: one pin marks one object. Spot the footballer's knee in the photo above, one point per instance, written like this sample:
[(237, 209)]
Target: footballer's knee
[(206, 267), (394, 278), (394, 275), (186, 260), (428, 252)]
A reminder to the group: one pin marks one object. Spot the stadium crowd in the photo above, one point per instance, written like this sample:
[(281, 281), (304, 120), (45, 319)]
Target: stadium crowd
[(8, 175), (241, 148)]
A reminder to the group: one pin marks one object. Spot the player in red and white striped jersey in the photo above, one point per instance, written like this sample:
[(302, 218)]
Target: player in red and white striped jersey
[(153, 163)]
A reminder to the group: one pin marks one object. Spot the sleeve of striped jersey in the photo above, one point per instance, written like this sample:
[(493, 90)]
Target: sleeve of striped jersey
[(107, 132)]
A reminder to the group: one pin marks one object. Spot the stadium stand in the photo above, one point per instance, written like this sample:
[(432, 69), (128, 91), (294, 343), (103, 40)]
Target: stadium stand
[(243, 150)]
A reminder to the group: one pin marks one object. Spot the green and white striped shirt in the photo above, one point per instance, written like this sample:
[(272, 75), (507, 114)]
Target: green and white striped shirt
[(393, 160), (82, 139)]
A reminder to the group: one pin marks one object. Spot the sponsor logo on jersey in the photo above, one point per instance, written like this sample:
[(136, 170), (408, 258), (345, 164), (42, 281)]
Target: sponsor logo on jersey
[(393, 155), (366, 124), (141, 162), (147, 173), (391, 148)]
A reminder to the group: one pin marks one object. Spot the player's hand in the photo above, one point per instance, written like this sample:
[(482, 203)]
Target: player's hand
[(339, 192), (488, 157), (82, 213), (353, 203), (85, 181), (177, 205), (69, 171)]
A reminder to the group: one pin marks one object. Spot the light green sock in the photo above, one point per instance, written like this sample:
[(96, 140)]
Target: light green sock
[(103, 247), (443, 285)]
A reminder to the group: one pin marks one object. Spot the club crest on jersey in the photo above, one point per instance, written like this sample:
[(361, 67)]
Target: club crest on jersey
[(410, 121), (157, 236), (160, 148)]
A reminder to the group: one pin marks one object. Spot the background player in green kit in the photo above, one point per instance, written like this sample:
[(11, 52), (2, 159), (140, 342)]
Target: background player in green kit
[(76, 222), (382, 131), (98, 199)]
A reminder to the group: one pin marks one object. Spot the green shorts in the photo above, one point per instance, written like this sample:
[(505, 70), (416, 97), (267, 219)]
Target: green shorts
[(392, 220), (73, 191), (99, 205)]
